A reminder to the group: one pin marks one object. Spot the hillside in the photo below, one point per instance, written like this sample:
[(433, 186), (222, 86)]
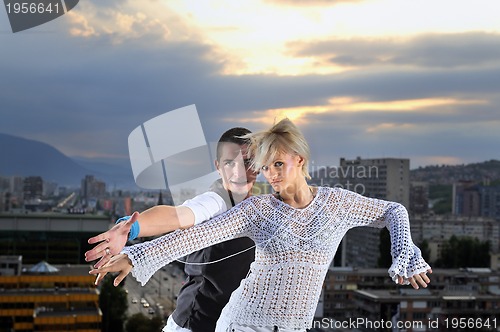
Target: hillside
[(24, 157), (448, 174)]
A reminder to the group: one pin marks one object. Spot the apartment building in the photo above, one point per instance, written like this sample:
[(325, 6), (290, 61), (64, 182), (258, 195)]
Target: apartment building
[(383, 178), (369, 297), (436, 229), (44, 297)]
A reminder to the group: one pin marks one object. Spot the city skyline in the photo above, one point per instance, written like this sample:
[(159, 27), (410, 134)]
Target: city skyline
[(360, 78)]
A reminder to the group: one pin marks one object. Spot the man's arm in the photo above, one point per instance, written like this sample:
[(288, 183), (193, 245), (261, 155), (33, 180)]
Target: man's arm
[(163, 219), (145, 258), (157, 220)]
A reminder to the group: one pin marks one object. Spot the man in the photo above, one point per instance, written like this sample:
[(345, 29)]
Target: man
[(208, 286)]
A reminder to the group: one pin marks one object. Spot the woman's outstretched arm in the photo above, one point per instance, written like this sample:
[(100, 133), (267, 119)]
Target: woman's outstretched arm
[(147, 257), (408, 265)]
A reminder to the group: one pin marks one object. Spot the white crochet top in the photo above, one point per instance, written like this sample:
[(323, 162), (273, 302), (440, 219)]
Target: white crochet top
[(294, 248)]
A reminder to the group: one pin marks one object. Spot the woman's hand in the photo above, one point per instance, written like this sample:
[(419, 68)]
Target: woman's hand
[(418, 279), (110, 242), (119, 263)]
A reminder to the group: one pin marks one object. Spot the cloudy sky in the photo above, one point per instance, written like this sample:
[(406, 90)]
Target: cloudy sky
[(370, 78)]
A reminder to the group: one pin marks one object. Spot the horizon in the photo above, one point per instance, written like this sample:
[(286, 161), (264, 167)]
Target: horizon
[(312, 166)]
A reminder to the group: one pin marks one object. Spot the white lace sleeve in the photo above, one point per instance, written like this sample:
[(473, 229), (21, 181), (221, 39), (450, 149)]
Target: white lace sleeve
[(406, 256), (148, 257)]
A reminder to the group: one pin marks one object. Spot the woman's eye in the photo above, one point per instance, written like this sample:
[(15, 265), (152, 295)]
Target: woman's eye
[(265, 168), (278, 164)]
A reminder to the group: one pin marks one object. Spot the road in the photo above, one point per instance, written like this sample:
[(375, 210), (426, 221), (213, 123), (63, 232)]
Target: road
[(160, 292)]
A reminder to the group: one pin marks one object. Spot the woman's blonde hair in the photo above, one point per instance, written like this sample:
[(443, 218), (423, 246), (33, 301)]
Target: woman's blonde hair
[(283, 137)]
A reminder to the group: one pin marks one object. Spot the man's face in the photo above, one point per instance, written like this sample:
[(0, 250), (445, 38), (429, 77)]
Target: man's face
[(233, 167)]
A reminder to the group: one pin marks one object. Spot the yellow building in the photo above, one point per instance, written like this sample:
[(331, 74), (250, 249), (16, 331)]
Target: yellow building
[(47, 298)]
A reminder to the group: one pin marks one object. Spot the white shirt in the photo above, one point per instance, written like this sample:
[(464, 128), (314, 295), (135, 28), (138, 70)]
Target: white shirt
[(206, 206)]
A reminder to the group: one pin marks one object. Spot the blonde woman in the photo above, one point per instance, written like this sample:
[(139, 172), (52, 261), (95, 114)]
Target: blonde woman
[(296, 232)]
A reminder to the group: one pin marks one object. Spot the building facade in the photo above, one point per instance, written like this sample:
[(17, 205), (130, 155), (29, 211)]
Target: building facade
[(369, 297), (33, 188), (383, 178), (419, 198), (53, 237), (47, 298), (437, 229), (471, 199), (91, 189)]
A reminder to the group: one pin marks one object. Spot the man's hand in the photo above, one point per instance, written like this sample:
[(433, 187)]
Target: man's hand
[(118, 263), (110, 242), (417, 279)]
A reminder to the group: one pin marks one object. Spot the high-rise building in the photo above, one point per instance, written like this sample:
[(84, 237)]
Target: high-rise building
[(490, 201), (471, 199), (419, 198), (91, 188), (16, 185), (4, 184), (33, 188), (465, 199), (383, 178)]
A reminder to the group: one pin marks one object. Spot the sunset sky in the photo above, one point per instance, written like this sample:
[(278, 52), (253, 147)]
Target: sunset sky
[(374, 78)]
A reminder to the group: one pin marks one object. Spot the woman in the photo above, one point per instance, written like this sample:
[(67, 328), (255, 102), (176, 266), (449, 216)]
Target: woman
[(296, 231)]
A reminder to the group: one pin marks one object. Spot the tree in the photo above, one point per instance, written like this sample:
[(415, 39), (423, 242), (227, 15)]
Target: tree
[(464, 252), (113, 304), (140, 323), (137, 323), (156, 324), (442, 196), (426, 251), (385, 258)]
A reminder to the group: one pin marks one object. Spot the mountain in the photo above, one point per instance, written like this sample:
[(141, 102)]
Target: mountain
[(24, 157)]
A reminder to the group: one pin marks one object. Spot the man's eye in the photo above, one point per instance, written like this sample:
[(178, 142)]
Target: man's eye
[(265, 168), (229, 163)]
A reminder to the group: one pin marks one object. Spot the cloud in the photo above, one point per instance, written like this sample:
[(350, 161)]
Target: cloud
[(129, 20), (85, 97), (342, 106), (85, 92), (426, 141), (81, 26), (310, 3), (103, 95), (445, 50)]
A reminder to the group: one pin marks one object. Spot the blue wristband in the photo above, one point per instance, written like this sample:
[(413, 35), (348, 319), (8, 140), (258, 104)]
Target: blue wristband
[(134, 230)]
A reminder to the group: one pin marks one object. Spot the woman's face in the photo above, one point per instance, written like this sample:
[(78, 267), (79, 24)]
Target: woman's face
[(283, 172)]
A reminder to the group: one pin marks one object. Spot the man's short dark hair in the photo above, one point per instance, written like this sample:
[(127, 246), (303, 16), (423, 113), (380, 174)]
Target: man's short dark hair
[(232, 135)]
